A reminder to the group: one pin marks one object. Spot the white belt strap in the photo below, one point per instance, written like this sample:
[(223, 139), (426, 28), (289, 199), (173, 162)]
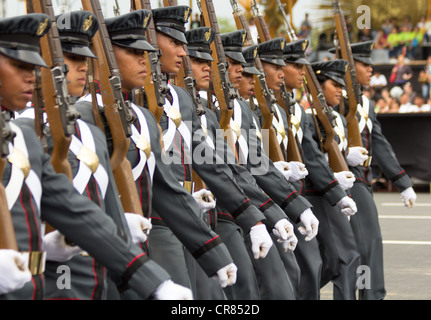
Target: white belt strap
[(204, 124), (339, 130), (17, 178), (84, 173), (136, 135), (297, 129), (237, 118), (364, 111), (278, 124), (169, 135)]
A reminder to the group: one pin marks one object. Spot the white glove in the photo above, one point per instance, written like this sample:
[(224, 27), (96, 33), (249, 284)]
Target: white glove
[(409, 197), (205, 199), (13, 271), (284, 168), (356, 156), (169, 290), (283, 229), (347, 206), (345, 178), (227, 275), (298, 171), (311, 224), (261, 241), (139, 226), (54, 243)]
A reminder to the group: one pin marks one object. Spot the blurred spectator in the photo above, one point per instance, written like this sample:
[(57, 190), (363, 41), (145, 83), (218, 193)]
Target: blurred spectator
[(421, 106), (377, 83), (401, 73), (393, 40), (305, 28), (405, 104), (425, 79), (408, 89), (387, 26), (381, 40), (365, 35)]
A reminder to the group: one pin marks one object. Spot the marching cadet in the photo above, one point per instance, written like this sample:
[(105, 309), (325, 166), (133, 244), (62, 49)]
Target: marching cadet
[(325, 189), (246, 286), (297, 208), (35, 193), (157, 186), (183, 134), (365, 223)]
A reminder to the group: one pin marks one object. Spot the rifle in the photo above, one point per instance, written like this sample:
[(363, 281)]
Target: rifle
[(263, 94), (223, 88), (352, 87), (118, 112), (321, 109), (186, 80), (59, 107), (155, 85), (38, 107), (7, 231)]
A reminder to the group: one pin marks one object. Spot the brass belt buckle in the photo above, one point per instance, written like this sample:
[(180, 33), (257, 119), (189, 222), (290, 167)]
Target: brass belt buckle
[(367, 162), (35, 261), (188, 185)]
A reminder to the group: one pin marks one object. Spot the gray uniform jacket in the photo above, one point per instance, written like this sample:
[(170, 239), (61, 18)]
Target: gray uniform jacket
[(378, 147), (160, 192), (88, 277), (51, 197), (269, 179), (210, 167)]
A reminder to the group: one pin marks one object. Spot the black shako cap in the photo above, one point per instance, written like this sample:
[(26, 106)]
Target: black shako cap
[(199, 41), (76, 29), (271, 51), (294, 52), (128, 30), (361, 51), (20, 35), (332, 69), (233, 42), (250, 55), (171, 21)]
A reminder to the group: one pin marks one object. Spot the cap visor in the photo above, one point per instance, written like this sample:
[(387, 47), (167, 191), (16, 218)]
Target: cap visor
[(278, 62), (79, 50), (366, 60), (251, 70), (237, 56), (200, 55), (135, 44), (26, 56), (176, 34)]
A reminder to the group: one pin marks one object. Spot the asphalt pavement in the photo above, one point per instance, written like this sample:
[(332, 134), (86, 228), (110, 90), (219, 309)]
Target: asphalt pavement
[(406, 247)]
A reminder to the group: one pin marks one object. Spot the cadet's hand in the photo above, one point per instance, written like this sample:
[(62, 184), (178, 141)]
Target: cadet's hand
[(298, 171), (205, 199), (168, 290), (227, 275), (261, 241), (347, 206), (13, 271), (283, 229), (345, 178), (356, 156), (311, 224), (284, 168), (139, 226), (409, 197), (54, 243)]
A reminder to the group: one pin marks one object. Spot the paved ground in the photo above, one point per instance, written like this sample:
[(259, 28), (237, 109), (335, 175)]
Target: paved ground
[(407, 247)]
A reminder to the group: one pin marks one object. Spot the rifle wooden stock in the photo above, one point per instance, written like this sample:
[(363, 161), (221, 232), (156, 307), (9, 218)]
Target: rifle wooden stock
[(116, 111), (7, 231), (263, 95), (92, 75), (352, 88), (58, 106), (223, 88), (335, 157)]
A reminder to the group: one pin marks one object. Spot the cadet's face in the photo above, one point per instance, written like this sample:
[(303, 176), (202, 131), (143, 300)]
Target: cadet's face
[(132, 66), (17, 83), (235, 72), (363, 73), (201, 72), (274, 75), (246, 85), (294, 75), (333, 92), (76, 77), (172, 53)]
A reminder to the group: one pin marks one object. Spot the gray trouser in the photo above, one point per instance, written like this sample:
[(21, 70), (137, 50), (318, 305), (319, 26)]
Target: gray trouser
[(366, 227)]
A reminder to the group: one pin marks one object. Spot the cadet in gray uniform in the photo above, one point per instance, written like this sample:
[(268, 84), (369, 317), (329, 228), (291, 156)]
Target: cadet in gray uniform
[(336, 241), (152, 175), (365, 223), (35, 193), (265, 177)]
